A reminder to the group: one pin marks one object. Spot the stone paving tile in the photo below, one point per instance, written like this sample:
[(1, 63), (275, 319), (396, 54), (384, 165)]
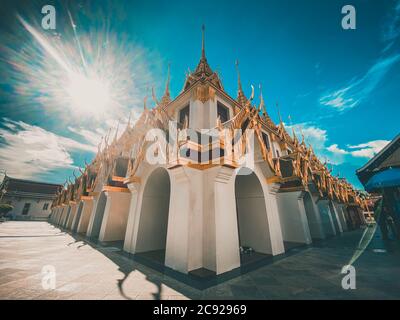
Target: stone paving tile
[(87, 271)]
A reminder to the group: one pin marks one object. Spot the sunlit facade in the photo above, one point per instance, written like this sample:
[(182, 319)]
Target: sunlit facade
[(202, 209)]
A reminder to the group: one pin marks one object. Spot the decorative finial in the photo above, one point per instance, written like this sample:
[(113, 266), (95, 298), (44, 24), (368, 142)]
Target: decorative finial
[(116, 130), (238, 75), (262, 103), (168, 80), (153, 95), (203, 45), (129, 120), (279, 113), (144, 103)]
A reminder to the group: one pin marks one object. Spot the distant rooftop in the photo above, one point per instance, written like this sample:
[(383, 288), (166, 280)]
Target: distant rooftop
[(28, 187)]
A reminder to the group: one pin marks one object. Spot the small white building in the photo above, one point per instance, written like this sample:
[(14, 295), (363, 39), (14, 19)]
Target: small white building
[(31, 200)]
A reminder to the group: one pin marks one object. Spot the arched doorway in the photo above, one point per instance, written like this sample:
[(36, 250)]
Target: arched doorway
[(98, 218), (252, 219), (153, 222)]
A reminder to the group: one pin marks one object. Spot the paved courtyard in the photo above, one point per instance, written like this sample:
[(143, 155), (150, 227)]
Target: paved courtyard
[(88, 271)]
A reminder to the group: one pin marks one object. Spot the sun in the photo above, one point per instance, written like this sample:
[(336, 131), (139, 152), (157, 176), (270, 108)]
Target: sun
[(88, 94)]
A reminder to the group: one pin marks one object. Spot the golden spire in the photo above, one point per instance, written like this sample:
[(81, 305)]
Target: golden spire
[(129, 120), (116, 131), (303, 142), (145, 103), (262, 103), (168, 80), (279, 114), (203, 68), (241, 98), (203, 45), (167, 96), (295, 140)]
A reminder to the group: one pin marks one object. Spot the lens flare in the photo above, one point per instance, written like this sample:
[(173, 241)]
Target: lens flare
[(90, 95), (80, 75)]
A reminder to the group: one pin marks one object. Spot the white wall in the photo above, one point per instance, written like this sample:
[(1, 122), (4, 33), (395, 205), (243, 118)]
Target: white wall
[(326, 217), (97, 216), (35, 210), (115, 218), (293, 217), (85, 216), (71, 217), (313, 217)]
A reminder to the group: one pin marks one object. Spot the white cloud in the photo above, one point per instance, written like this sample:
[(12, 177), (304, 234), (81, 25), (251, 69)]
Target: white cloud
[(358, 89), (392, 27), (332, 153), (313, 135), (368, 149), (28, 150), (335, 149)]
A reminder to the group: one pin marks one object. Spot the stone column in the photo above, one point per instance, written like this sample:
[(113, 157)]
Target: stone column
[(275, 229), (133, 219), (71, 216), (293, 217), (335, 214), (227, 255), (87, 209), (59, 215), (115, 217), (326, 217), (184, 235), (67, 211), (92, 215)]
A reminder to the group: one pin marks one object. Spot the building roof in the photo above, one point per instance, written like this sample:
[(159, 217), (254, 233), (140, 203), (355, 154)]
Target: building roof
[(380, 161), (20, 187)]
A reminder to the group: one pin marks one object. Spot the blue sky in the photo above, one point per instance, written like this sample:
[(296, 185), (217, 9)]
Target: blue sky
[(340, 87)]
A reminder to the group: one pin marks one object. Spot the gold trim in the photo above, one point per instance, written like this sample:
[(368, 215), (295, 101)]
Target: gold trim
[(118, 178), (292, 189), (132, 179), (202, 166), (273, 179), (115, 189), (87, 198)]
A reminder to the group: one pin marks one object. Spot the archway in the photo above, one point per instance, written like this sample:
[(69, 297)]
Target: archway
[(252, 219), (153, 222), (98, 218)]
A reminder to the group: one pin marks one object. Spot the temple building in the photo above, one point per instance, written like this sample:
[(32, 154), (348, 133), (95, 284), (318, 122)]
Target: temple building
[(206, 207), (31, 200)]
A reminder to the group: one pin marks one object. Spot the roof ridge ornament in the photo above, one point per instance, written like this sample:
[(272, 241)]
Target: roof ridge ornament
[(203, 45), (116, 130), (262, 103), (241, 97), (166, 98)]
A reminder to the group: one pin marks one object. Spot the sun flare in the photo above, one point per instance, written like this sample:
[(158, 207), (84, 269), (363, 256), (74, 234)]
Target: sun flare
[(89, 95)]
